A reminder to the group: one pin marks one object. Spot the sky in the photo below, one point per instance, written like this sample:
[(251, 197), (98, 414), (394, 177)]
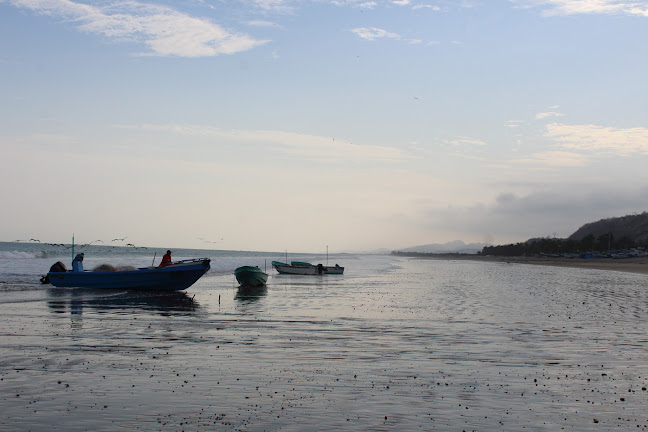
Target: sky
[(294, 125)]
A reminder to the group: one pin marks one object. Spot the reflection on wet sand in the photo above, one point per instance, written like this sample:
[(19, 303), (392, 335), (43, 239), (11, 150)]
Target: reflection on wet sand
[(75, 300), (250, 294)]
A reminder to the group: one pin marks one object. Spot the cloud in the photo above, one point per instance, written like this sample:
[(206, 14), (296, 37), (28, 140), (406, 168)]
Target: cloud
[(555, 210), (261, 23), (273, 5), (426, 6), (575, 7), (548, 114), (514, 123), (165, 31), (556, 159), (599, 139), (325, 149), (373, 33), (459, 141)]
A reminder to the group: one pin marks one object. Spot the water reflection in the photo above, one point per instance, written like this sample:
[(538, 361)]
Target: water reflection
[(76, 300), (250, 294)]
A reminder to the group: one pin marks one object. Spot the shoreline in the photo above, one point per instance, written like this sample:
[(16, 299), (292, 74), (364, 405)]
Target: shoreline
[(628, 265)]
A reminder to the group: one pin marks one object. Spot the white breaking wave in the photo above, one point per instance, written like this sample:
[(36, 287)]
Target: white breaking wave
[(23, 255)]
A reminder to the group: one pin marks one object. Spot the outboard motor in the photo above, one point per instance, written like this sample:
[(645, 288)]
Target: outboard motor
[(320, 268), (58, 267)]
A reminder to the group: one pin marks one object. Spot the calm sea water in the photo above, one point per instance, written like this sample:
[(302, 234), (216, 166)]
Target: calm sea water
[(393, 344)]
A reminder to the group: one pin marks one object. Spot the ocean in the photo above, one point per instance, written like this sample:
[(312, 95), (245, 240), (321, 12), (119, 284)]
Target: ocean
[(394, 344)]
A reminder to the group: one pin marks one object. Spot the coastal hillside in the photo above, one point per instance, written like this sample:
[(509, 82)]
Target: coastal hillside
[(632, 227), (611, 234)]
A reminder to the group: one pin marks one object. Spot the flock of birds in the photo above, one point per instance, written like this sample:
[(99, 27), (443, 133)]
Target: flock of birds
[(70, 246)]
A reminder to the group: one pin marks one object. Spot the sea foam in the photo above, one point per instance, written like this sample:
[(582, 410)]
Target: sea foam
[(23, 255)]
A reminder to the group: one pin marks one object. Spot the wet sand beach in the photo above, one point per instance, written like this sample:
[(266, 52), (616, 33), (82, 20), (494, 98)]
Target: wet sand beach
[(395, 344)]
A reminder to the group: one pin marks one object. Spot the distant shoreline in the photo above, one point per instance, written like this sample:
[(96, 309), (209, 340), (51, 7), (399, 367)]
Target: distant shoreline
[(630, 265)]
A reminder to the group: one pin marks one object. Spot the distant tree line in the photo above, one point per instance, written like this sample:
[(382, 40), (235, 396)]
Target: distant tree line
[(589, 243)]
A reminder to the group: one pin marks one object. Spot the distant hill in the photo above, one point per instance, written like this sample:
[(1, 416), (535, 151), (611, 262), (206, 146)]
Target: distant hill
[(456, 246), (611, 234), (632, 227)]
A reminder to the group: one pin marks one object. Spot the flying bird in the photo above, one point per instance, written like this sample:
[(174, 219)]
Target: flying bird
[(136, 247), (119, 239)]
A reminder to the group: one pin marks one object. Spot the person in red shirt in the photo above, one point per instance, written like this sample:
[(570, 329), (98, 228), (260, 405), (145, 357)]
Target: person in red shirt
[(166, 259)]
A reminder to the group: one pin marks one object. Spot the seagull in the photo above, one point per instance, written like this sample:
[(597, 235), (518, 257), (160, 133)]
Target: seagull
[(136, 247), (120, 239)]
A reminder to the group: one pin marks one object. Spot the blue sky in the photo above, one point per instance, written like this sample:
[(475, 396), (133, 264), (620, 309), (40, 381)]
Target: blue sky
[(293, 125)]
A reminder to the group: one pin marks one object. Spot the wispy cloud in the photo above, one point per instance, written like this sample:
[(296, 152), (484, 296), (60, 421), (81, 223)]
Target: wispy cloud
[(373, 33), (309, 146), (514, 123), (599, 139), (544, 115), (555, 159), (426, 6), (261, 23), (459, 141), (164, 30), (273, 5), (575, 7)]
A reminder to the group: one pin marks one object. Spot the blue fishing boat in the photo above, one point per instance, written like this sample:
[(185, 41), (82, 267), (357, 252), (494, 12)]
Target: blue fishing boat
[(248, 276), (179, 275)]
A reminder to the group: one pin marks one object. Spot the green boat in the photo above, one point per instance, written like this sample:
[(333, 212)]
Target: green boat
[(248, 276)]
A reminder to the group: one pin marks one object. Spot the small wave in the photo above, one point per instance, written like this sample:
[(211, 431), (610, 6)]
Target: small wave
[(23, 255), (4, 288)]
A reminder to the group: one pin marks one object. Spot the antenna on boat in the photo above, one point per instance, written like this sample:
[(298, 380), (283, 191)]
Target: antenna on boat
[(72, 247), (326, 255)]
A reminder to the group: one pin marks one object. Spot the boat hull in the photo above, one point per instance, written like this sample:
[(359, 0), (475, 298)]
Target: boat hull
[(248, 276), (175, 277), (334, 270), (305, 269), (295, 270)]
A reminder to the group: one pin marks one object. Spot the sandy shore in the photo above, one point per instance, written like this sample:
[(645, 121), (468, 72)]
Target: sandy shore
[(631, 265)]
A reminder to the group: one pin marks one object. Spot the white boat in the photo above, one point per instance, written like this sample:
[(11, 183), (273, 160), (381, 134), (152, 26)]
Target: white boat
[(304, 268)]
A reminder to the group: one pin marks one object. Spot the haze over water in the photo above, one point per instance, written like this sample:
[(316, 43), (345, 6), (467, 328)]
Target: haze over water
[(393, 344)]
